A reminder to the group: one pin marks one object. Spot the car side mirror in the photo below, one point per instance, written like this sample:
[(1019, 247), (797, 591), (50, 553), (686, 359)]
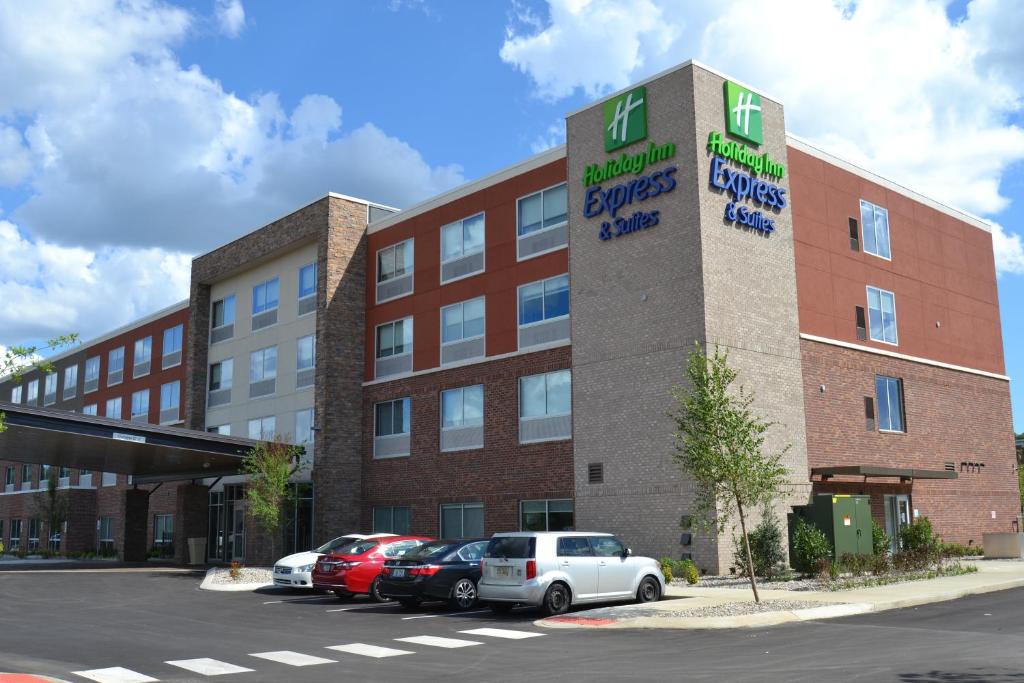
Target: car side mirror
[(627, 552)]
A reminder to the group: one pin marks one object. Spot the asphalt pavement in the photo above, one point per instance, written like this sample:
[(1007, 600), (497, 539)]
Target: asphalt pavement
[(145, 626)]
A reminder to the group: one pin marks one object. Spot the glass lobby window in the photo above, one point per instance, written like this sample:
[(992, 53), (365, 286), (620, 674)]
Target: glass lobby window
[(461, 321), (544, 209), (307, 280), (889, 395), (462, 238), (221, 374), (463, 407), (394, 338), (544, 300), (394, 261), (546, 395), (223, 312), (263, 364), (265, 295), (875, 225), (882, 315), (391, 418)]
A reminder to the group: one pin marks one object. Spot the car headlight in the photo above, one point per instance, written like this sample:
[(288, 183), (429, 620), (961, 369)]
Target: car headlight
[(305, 569)]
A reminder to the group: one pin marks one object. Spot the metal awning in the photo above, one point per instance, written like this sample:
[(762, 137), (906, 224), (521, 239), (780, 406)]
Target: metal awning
[(904, 474), (149, 453)]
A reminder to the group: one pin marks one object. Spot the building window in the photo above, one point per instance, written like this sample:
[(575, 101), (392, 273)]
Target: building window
[(221, 374), (263, 428), (546, 209), (33, 391), (394, 261), (34, 528), (89, 409), (9, 479), (460, 240), (304, 426), (142, 357), (140, 405), (172, 347), (50, 389), (462, 407), (462, 520), (163, 534), (108, 479), (462, 321), (889, 396), (391, 418), (545, 407), (875, 226), (115, 366), (70, 381), (265, 296), (545, 300), (546, 515), (222, 430), (394, 338), (114, 408), (305, 352), (15, 539), (391, 520), (105, 535), (223, 312), (92, 374), (26, 474), (263, 364), (882, 315), (307, 281), (16, 394), (170, 399)]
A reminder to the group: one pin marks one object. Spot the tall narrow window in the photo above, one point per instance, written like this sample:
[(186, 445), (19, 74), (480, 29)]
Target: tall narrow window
[(142, 357), (889, 395), (170, 399), (115, 366), (92, 374), (70, 381), (50, 389), (882, 315), (172, 347), (221, 374), (391, 428), (32, 392), (875, 224), (16, 394), (140, 405), (394, 271), (222, 319), (307, 281)]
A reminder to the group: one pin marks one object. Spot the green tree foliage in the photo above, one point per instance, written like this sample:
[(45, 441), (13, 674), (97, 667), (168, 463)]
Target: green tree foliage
[(270, 465), (53, 506), (17, 360), (720, 445), (881, 544)]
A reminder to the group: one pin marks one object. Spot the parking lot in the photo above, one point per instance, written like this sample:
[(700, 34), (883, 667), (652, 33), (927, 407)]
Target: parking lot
[(120, 626)]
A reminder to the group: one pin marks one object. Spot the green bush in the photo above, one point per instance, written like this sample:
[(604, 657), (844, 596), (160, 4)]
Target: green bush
[(810, 547), (881, 564), (881, 544), (766, 549), (666, 568), (857, 565), (918, 536), (689, 571), (947, 550)]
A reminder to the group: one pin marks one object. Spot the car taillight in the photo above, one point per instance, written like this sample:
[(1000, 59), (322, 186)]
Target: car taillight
[(481, 565), (424, 570), (531, 569), (386, 570)]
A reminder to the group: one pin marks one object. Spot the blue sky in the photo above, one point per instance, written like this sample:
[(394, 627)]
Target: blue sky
[(142, 133)]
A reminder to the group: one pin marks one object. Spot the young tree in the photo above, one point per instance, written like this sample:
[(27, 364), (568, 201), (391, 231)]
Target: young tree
[(53, 506), (270, 465), (720, 444), (17, 360)]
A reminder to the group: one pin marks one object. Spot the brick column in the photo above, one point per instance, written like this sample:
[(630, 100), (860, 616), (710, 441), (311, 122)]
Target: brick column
[(191, 518), (136, 524)]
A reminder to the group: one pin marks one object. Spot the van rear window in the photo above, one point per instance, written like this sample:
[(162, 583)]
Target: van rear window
[(512, 547)]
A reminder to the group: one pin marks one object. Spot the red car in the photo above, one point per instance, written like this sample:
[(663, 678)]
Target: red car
[(356, 567)]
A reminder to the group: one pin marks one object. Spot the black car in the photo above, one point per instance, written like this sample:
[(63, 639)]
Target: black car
[(438, 570)]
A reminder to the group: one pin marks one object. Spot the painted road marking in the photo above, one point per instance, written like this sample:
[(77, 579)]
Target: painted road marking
[(502, 633), (369, 650), (115, 674), (454, 614), (208, 667), (349, 609), (435, 641), (292, 658)]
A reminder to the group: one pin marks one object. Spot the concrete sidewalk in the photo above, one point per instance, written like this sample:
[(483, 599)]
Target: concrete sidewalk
[(683, 604)]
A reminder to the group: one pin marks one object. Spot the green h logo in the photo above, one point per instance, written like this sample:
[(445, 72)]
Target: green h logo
[(743, 113), (625, 119)]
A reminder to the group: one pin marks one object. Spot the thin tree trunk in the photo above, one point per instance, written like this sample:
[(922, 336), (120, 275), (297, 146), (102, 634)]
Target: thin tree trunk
[(750, 558)]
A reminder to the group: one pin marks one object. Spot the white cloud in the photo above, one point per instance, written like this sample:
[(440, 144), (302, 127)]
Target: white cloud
[(1009, 250), (894, 86), (230, 17), (552, 136)]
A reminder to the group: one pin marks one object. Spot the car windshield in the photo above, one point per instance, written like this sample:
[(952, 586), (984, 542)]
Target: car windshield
[(511, 547), (435, 548), (356, 548), (333, 545)]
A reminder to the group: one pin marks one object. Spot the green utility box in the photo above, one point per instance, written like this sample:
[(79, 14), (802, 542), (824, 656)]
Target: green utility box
[(845, 520)]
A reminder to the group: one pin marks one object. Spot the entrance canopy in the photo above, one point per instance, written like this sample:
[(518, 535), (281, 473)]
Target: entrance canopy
[(903, 474), (149, 453)]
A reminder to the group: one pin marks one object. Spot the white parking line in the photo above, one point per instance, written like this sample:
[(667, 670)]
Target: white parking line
[(502, 633), (292, 658), (349, 609), (115, 674), (435, 641), (369, 650), (208, 667)]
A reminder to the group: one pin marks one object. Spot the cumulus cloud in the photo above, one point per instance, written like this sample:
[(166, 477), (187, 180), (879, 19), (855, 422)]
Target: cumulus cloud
[(896, 87), (230, 17), (552, 136), (1009, 250)]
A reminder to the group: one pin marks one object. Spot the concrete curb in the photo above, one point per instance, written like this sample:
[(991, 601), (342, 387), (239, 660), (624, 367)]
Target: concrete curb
[(209, 585)]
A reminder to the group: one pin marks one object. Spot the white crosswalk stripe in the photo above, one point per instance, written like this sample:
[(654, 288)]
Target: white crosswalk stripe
[(292, 658), (369, 650), (115, 674), (208, 667), (502, 633), (435, 641)]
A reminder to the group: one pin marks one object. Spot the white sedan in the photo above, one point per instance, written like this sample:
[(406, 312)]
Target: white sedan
[(294, 571)]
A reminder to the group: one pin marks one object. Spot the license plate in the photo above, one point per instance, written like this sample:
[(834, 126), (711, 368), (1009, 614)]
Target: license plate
[(398, 573), (503, 571)]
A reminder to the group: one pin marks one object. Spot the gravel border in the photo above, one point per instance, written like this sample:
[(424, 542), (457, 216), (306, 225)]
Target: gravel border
[(250, 578)]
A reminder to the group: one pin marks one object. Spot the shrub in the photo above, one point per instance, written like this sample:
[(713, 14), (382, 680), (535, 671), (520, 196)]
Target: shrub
[(765, 549), (947, 550), (918, 536), (810, 547), (236, 570), (881, 544), (689, 571), (881, 564), (856, 564), (666, 568), (681, 569)]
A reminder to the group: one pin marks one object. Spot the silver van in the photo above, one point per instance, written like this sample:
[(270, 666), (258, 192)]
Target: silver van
[(556, 569)]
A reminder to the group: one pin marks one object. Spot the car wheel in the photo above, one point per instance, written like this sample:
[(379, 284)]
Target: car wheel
[(409, 603), (375, 591), (556, 600), (501, 607), (649, 590), (463, 594)]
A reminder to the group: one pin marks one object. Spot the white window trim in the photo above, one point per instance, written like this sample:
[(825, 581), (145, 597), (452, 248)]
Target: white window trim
[(544, 321), (481, 250), (542, 230), (411, 273), (376, 333), (895, 317), (888, 225), (483, 335)]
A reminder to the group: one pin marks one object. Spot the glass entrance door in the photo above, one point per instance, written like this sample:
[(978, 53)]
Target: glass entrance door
[(897, 516), (227, 524)]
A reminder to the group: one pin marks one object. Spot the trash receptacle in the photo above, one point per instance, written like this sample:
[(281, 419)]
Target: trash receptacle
[(196, 550)]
